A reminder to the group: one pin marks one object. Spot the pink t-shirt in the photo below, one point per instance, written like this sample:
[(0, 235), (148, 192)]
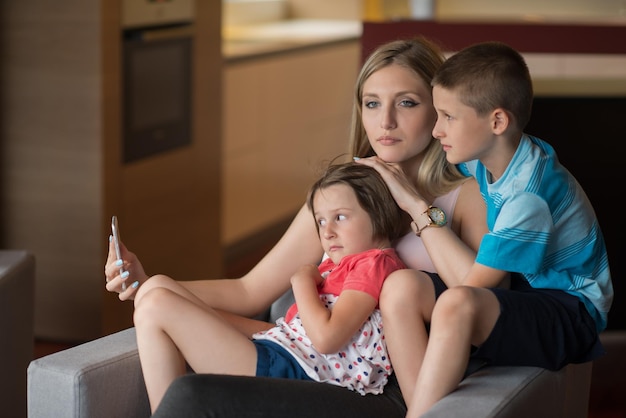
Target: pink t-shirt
[(364, 271), (362, 365)]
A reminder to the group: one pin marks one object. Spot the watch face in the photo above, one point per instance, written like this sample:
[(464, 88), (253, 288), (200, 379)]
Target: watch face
[(438, 216)]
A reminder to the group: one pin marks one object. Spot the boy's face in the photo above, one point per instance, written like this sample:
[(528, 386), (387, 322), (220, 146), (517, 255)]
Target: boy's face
[(344, 226), (463, 134)]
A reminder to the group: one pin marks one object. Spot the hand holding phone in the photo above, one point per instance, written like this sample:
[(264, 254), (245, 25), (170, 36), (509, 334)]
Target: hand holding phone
[(115, 230)]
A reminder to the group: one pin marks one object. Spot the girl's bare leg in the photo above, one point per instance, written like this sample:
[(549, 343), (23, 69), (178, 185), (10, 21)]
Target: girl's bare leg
[(406, 303), (173, 331), (462, 316)]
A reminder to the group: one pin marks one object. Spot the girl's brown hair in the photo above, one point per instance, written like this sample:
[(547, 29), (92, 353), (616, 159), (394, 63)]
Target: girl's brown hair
[(388, 220)]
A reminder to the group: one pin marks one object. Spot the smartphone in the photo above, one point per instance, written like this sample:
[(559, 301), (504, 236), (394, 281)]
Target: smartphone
[(115, 230)]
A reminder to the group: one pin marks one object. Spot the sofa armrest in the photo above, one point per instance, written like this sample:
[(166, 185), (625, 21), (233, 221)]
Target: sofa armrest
[(100, 378), (17, 299)]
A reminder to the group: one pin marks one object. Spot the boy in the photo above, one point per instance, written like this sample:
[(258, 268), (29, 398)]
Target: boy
[(542, 229)]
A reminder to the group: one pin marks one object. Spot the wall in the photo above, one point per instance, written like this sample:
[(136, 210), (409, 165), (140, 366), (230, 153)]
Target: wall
[(237, 12), (531, 10), (562, 10), (51, 170), (326, 9)]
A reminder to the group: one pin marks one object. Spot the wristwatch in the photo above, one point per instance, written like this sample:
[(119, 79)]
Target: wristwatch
[(432, 216)]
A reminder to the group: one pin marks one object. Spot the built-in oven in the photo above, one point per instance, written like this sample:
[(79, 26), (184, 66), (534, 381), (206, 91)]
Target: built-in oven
[(156, 76)]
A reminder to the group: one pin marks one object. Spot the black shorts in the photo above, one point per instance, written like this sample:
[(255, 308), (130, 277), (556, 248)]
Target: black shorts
[(440, 286), (539, 327)]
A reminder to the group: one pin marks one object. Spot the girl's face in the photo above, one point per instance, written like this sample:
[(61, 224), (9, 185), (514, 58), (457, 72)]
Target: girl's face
[(344, 226), (397, 113)]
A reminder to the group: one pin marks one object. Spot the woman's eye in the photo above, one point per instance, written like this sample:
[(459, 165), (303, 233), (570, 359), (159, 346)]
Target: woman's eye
[(341, 217), (408, 103), (370, 104)]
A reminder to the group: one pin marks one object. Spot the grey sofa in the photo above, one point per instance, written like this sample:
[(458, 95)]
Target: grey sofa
[(102, 378), (17, 294)]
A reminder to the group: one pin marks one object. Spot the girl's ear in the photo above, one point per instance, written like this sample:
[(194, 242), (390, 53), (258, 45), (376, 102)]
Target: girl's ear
[(500, 121)]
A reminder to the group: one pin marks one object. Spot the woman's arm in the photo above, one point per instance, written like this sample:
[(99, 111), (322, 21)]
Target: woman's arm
[(255, 291)]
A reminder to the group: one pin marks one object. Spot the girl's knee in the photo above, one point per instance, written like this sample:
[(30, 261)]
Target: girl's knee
[(406, 289)]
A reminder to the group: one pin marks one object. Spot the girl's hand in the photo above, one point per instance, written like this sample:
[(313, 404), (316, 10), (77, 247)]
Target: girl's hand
[(128, 270), (400, 185), (308, 272)]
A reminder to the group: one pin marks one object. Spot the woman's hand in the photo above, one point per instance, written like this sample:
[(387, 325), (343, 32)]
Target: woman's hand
[(399, 184), (128, 270)]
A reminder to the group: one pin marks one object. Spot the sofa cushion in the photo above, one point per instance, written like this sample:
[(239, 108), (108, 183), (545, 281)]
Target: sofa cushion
[(519, 392)]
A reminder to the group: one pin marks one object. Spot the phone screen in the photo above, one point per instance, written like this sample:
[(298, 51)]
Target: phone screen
[(115, 230)]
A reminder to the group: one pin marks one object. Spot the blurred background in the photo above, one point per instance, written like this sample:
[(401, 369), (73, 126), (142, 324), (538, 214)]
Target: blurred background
[(200, 124)]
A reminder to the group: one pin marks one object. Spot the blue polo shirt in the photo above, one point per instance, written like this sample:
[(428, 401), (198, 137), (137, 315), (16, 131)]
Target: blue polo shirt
[(542, 225)]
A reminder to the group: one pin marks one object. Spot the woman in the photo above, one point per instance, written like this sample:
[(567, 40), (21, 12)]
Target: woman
[(393, 119)]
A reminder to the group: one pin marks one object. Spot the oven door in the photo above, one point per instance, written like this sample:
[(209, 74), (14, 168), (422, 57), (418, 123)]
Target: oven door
[(157, 74)]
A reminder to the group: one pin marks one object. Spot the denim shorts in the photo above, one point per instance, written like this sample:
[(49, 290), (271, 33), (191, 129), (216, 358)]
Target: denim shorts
[(274, 361)]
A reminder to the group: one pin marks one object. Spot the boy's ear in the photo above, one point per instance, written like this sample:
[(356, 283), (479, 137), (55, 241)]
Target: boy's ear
[(499, 121)]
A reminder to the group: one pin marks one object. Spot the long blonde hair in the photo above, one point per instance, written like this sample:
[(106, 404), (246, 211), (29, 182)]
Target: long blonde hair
[(435, 175)]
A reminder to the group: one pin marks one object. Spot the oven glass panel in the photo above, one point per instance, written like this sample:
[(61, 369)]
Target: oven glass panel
[(157, 94)]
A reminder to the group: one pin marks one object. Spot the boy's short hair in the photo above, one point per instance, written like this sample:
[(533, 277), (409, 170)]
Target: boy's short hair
[(372, 193), (487, 76)]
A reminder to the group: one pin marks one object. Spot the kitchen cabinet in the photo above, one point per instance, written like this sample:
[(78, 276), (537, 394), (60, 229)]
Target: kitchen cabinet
[(286, 115), (62, 171)]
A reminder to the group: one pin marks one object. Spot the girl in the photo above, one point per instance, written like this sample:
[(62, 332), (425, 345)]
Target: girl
[(333, 334)]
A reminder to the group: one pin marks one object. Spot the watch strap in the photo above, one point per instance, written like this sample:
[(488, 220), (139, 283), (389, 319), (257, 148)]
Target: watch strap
[(424, 220)]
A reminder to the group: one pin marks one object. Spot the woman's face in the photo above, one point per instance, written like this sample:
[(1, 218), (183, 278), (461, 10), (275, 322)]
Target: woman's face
[(397, 113)]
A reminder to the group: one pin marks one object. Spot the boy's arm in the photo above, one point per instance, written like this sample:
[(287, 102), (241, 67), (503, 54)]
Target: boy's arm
[(480, 275), (329, 330)]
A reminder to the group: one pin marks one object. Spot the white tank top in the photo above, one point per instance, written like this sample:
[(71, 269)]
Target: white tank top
[(410, 247)]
